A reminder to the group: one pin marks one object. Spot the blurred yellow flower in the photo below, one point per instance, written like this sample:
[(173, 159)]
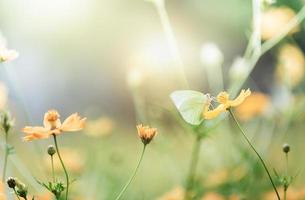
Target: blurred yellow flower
[(256, 104), (74, 161), (146, 133), (291, 65), (175, 194), (53, 125), (46, 196), (273, 21), (7, 54), (102, 126), (2, 192), (3, 96), (212, 196), (225, 103), (292, 194), (217, 178)]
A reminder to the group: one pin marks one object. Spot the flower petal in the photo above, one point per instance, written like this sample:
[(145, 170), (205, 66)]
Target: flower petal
[(35, 136), (240, 99), (51, 120), (73, 123), (34, 129), (211, 114), (35, 132)]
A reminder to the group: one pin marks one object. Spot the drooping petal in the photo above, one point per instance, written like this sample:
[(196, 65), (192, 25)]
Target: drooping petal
[(35, 129), (73, 123), (211, 114), (35, 136), (35, 132), (240, 99)]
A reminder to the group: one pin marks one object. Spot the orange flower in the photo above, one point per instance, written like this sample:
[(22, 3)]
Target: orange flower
[(273, 21), (175, 194), (2, 192), (290, 68), (225, 103), (102, 126), (53, 125), (212, 196), (253, 106), (74, 161), (146, 133)]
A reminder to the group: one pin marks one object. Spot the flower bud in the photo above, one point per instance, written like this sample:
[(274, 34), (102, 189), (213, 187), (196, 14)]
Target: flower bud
[(146, 133), (22, 189), (286, 148), (51, 150), (11, 182), (6, 121)]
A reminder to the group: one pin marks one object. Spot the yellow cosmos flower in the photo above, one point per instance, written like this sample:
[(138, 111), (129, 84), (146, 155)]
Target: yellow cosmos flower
[(53, 125), (146, 133), (225, 103)]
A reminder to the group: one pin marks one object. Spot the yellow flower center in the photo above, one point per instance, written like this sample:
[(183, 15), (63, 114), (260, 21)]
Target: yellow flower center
[(52, 116), (223, 97)]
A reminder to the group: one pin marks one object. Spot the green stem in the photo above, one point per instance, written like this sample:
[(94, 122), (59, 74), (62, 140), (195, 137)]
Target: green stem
[(258, 155), (133, 175), (53, 174), (16, 194), (63, 166), (286, 185), (5, 158), (192, 169)]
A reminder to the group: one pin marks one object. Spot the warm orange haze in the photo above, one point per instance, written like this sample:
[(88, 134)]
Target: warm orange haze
[(152, 100)]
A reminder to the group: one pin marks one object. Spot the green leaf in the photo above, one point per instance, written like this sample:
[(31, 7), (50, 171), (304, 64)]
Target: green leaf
[(190, 105)]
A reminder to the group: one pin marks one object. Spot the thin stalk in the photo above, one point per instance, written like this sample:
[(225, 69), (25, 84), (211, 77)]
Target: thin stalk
[(266, 46), (258, 155), (52, 163), (133, 175), (170, 37), (5, 158), (286, 185), (16, 194), (63, 166), (193, 165)]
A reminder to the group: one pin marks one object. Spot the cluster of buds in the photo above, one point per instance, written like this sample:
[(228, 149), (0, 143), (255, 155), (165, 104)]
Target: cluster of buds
[(20, 188)]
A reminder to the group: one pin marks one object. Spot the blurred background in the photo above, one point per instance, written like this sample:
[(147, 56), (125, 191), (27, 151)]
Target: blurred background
[(116, 63)]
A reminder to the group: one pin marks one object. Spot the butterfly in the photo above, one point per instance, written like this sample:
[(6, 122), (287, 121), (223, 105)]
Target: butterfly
[(190, 105)]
